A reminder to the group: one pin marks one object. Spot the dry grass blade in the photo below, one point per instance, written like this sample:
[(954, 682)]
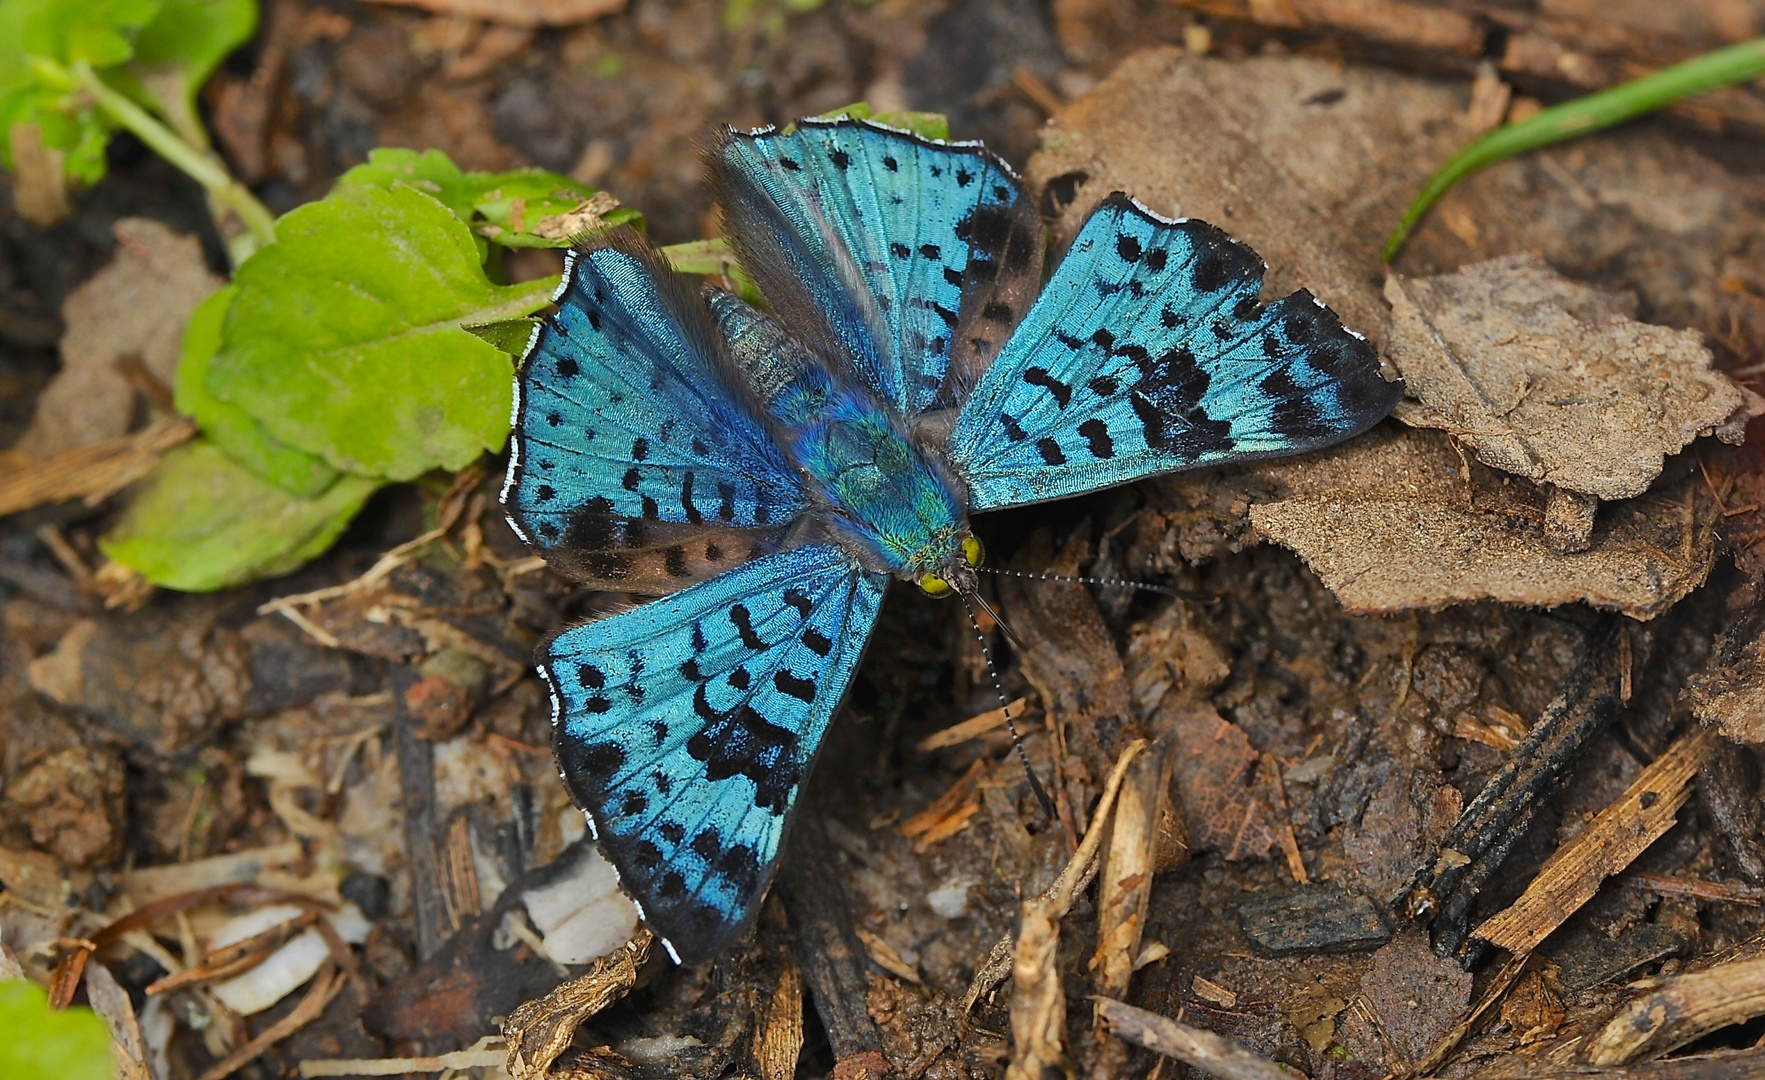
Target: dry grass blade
[(238, 957), (1126, 887), (972, 728), (1726, 892), (1683, 1009), (541, 1029), (325, 986), (1074, 877), (1621, 832), (88, 472), (949, 813), (1203, 1050)]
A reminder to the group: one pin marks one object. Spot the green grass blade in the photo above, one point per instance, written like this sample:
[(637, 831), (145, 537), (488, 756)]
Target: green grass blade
[(1724, 67)]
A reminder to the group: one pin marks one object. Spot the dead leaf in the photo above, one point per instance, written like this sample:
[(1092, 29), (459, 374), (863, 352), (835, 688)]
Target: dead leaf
[(1551, 379), (1383, 521), (587, 216), (135, 307), (1224, 806), (39, 178), (1416, 995), (1273, 149)]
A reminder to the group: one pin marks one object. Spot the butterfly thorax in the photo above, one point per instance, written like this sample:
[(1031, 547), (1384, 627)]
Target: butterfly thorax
[(883, 496)]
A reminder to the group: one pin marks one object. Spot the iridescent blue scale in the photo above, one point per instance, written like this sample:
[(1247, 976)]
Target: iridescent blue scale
[(770, 471)]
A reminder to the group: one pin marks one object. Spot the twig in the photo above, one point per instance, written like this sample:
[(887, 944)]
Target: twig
[(1077, 874), (541, 1029), (1203, 1050), (972, 728), (1684, 1008), (325, 986)]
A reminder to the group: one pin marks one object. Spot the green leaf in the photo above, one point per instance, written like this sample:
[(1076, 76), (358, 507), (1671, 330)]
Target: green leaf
[(177, 52), (511, 335), (506, 208), (205, 522), (40, 1044), (344, 337), (100, 32), (927, 125), (230, 427)]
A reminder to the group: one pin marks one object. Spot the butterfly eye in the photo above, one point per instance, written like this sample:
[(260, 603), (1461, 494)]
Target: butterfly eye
[(972, 551), (933, 585)]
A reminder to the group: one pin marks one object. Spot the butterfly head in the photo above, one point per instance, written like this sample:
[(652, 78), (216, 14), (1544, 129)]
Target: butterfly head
[(956, 573)]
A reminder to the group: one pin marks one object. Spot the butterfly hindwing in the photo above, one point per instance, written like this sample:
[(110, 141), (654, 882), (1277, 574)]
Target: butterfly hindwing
[(866, 240), (1147, 352), (686, 727), (637, 461)]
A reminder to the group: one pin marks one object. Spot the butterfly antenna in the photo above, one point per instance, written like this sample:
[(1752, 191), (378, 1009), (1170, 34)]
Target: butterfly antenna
[(1004, 705), (992, 613), (1076, 579)]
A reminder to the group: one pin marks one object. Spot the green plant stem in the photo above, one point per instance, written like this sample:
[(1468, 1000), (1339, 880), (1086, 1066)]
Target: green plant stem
[(1724, 67), (196, 164)]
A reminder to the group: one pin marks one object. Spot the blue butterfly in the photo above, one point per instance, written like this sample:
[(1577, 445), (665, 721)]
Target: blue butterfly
[(771, 471)]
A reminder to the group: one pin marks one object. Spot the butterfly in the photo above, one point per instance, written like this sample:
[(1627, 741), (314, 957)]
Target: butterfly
[(767, 472)]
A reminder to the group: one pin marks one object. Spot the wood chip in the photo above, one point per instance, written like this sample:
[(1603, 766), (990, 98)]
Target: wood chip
[(949, 813), (884, 956), (780, 1041), (1126, 884), (1621, 832), (1038, 1002), (128, 1050)]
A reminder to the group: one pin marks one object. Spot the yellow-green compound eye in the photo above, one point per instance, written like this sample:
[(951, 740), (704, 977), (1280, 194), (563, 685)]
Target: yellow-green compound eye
[(972, 551), (933, 585)]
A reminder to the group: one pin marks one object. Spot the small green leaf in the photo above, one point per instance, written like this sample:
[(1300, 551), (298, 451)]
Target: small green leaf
[(203, 522), (100, 32), (713, 258), (927, 125), (40, 1044), (230, 427), (344, 338), (510, 336), (177, 52), (505, 208)]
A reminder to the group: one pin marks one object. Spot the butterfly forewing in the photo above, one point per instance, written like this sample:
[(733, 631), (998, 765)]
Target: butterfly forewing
[(687, 726), (636, 464), (1147, 352), (863, 238)]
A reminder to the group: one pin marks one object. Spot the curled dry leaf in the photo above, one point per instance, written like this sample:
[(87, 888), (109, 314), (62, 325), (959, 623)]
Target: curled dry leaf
[(1553, 380), (1385, 522)]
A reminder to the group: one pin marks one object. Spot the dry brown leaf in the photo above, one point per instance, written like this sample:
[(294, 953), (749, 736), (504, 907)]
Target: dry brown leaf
[(1275, 150), (518, 12), (134, 308), (1551, 379), (1224, 805), (39, 177), (1383, 521)]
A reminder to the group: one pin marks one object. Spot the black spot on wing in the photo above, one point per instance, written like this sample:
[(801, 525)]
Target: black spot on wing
[(1050, 451), (817, 642), (789, 683), (1096, 434), (744, 626), (1037, 376)]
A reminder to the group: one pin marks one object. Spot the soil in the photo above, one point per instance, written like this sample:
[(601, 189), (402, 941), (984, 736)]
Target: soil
[(1319, 754)]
